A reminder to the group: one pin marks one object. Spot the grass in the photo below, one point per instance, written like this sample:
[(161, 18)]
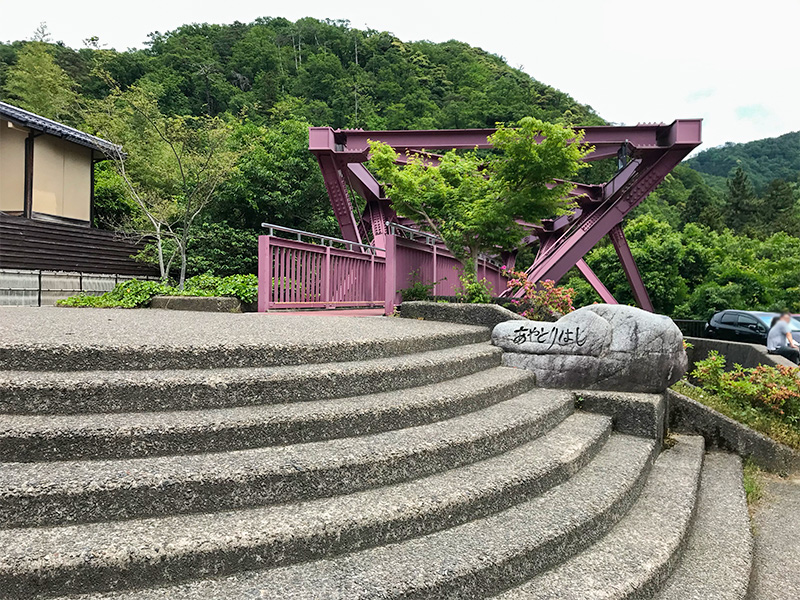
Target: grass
[(762, 421), (753, 483)]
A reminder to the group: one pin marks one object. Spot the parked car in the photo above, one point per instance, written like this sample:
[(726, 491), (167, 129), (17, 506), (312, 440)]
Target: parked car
[(749, 326)]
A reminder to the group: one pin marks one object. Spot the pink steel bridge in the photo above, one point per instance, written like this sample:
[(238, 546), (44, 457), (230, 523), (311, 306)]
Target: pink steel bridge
[(645, 154)]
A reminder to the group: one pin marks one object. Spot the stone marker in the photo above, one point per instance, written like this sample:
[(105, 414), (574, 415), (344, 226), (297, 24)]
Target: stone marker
[(601, 347)]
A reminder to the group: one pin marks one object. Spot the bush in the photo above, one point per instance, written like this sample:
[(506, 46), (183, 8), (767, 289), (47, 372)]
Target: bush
[(540, 302), (135, 293), (473, 291), (772, 389), (417, 290)]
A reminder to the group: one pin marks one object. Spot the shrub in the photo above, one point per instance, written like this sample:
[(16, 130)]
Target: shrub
[(540, 302), (772, 389), (135, 293), (417, 290), (473, 291)]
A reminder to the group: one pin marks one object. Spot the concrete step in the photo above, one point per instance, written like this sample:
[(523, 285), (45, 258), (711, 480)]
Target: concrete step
[(716, 562), (79, 491), (29, 438), (71, 392), (63, 339), (118, 555), (466, 561), (637, 555)]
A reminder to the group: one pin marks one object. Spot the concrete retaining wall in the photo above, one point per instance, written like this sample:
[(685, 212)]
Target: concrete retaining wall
[(686, 415), (747, 355), (43, 288)]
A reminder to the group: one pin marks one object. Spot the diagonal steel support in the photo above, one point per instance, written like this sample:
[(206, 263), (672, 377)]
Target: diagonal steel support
[(647, 154), (605, 295), (629, 266)]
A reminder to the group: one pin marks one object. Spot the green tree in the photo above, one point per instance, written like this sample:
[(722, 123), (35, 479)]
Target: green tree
[(703, 207), (780, 208), (36, 83), (171, 167), (743, 207), (471, 201)]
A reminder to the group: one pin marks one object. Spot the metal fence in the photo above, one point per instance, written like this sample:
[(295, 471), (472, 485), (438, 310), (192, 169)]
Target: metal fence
[(298, 274), (44, 288), (691, 327), (326, 272)]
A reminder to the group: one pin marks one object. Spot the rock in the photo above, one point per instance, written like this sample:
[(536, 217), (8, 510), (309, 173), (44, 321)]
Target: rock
[(601, 347)]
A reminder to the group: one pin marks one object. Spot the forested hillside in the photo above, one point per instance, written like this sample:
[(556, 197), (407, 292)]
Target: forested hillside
[(724, 238), (763, 160)]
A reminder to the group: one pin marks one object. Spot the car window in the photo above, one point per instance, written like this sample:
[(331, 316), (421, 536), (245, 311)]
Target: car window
[(747, 321), (795, 324), (729, 319)]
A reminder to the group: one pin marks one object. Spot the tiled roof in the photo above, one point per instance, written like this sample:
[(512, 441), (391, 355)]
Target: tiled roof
[(34, 121)]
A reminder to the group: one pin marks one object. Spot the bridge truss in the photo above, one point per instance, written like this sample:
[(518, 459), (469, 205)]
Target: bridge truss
[(645, 153)]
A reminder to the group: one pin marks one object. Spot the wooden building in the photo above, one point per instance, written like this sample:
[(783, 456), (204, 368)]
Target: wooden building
[(46, 203)]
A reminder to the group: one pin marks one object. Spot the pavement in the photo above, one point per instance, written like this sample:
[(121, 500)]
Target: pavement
[(115, 327), (776, 522)]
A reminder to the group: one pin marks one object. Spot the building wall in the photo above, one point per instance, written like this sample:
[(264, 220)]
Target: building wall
[(12, 168), (62, 178)]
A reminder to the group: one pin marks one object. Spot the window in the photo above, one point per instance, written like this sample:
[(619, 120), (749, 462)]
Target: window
[(750, 322), (729, 318)]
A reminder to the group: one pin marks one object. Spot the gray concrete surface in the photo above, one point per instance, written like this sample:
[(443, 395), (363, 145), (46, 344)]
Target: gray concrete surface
[(637, 555), (52, 493), (747, 355), (72, 392), (87, 338), (471, 561), (776, 520), (716, 562), (54, 559), (689, 416), (224, 304), (27, 438), (486, 315)]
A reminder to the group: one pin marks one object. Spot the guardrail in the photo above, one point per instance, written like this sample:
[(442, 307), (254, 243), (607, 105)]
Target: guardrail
[(293, 273), (691, 327)]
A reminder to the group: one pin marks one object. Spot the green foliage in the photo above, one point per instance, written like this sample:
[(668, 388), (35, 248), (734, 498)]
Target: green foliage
[(135, 293), (417, 290), (243, 287), (762, 160), (38, 84), (762, 421), (695, 272), (471, 201), (774, 390), (128, 294), (753, 488), (220, 249), (474, 291)]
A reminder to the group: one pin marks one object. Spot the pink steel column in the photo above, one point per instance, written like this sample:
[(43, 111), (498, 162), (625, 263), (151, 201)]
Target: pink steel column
[(631, 270), (595, 282), (391, 274), (264, 273), (326, 278)]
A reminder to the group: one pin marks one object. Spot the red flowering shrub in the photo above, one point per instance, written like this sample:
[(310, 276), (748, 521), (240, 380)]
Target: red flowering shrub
[(540, 302), (774, 389)]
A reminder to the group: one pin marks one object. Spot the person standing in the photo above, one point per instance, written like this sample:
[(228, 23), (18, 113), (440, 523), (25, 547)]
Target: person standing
[(780, 341)]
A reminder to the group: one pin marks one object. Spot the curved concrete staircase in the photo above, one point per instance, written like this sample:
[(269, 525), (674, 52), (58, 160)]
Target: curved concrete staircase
[(429, 474)]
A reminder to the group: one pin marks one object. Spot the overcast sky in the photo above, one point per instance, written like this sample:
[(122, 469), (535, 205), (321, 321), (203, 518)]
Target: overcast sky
[(734, 63)]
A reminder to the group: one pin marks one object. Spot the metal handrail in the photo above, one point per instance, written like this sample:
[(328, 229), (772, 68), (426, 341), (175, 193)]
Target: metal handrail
[(432, 240), (323, 238)]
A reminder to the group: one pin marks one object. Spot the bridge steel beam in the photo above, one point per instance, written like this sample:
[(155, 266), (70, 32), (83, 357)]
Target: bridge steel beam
[(652, 150)]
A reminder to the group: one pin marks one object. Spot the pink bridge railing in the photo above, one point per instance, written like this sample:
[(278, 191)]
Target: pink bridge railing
[(295, 274)]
